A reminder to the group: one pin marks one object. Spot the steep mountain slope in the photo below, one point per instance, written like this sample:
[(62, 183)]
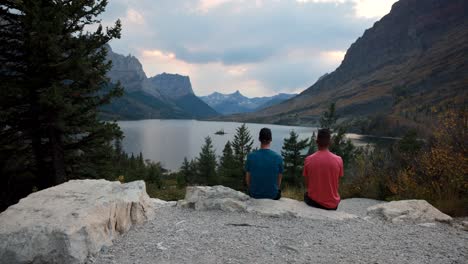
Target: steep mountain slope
[(139, 105), (126, 69), (273, 100), (162, 96), (178, 88), (238, 103), (412, 62)]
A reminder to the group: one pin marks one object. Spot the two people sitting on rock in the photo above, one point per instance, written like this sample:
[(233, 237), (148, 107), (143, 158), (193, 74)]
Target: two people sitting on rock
[(322, 171)]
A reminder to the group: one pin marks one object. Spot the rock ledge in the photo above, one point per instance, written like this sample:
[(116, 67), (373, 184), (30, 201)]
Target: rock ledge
[(68, 222)]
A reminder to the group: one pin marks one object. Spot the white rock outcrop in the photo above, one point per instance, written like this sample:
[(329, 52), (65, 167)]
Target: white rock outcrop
[(69, 222), (411, 211), (229, 200), (214, 198)]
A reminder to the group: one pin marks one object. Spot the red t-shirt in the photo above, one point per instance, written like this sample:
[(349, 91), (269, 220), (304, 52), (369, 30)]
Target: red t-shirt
[(322, 171)]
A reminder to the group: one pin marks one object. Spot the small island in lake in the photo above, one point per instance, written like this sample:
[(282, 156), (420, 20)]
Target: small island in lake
[(220, 132)]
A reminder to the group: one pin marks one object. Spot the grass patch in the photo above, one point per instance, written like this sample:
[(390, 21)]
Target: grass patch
[(295, 193), (167, 193)]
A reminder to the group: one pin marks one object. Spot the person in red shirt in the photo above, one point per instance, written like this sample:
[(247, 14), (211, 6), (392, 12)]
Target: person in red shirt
[(322, 171)]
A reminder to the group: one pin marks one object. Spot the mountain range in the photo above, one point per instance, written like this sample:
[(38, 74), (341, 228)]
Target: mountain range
[(237, 103), (161, 96), (396, 76)]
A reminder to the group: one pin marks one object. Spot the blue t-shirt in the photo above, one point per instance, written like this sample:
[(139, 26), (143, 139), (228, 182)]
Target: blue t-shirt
[(264, 165)]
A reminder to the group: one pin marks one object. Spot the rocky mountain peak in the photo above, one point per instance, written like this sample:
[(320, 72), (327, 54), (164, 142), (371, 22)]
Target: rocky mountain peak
[(126, 69), (172, 85), (408, 31)]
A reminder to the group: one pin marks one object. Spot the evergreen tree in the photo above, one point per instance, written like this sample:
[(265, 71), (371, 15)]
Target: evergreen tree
[(185, 173), (340, 145), (293, 157), (52, 74), (329, 118), (207, 164), (313, 144), (193, 169), (154, 174), (228, 169), (242, 146)]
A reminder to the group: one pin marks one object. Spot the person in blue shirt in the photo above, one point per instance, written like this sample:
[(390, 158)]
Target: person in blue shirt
[(264, 170)]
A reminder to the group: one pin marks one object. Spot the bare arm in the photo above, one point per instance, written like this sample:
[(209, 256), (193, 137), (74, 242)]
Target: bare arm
[(247, 179), (280, 178)]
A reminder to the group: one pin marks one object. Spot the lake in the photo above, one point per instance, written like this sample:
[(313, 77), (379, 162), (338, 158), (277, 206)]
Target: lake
[(169, 141)]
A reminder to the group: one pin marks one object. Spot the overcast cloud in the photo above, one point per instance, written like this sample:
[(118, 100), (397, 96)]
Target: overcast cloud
[(260, 47)]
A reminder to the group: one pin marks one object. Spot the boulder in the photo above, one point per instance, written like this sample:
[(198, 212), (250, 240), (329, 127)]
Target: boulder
[(293, 208), (69, 222), (214, 198), (228, 200), (464, 225), (412, 211)]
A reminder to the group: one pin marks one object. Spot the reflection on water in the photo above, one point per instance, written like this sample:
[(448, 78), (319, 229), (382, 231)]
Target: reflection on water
[(362, 140), (169, 141)]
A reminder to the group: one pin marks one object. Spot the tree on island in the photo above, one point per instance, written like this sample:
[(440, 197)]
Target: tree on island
[(206, 164), (53, 80), (293, 158)]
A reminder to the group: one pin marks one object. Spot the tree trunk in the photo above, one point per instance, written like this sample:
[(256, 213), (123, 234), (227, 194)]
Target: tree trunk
[(58, 159), (43, 177)]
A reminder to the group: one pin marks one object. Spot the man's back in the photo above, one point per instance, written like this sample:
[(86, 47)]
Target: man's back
[(322, 171), (264, 166)]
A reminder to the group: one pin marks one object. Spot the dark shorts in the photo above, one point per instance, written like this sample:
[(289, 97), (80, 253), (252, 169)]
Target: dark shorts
[(313, 203), (278, 196)]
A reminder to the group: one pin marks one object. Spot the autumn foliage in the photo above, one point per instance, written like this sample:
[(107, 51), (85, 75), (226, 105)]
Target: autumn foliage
[(439, 172)]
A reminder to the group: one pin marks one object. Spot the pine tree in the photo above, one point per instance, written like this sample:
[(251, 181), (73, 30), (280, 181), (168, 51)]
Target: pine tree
[(329, 118), (186, 173), (52, 71), (293, 157), (153, 174), (313, 144), (242, 146), (206, 164), (228, 169), (52, 81), (340, 145), (194, 171)]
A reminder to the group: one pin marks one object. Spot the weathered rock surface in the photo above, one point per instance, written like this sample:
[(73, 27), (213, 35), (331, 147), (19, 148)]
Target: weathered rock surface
[(172, 85), (214, 198), (413, 211), (126, 69), (294, 208), (229, 200), (68, 222), (465, 225)]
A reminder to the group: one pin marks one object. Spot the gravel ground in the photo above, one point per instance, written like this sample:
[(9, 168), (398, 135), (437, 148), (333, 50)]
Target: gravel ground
[(189, 236)]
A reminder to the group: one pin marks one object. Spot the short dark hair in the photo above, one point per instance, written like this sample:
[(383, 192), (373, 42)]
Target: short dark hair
[(323, 137), (265, 135)]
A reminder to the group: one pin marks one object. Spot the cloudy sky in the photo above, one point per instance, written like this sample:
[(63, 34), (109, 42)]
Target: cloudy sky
[(260, 47)]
